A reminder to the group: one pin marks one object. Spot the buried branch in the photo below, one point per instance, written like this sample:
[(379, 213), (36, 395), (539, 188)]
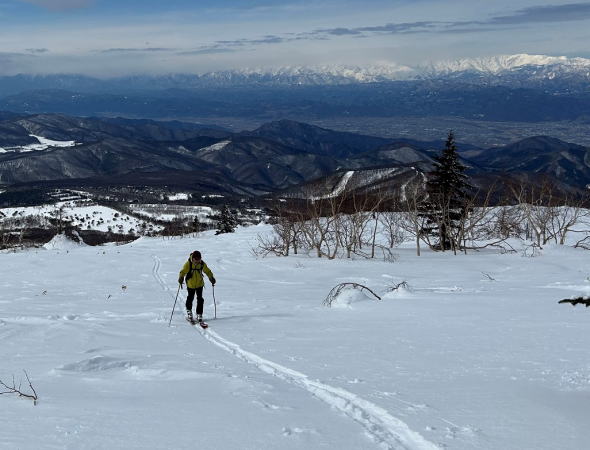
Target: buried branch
[(18, 390), (402, 285), (336, 290), (575, 301)]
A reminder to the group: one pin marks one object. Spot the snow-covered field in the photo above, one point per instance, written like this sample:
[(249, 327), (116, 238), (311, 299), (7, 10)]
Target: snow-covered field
[(43, 144), (171, 212), (474, 354), (85, 216)]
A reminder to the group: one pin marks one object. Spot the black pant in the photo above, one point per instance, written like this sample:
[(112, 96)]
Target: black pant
[(191, 296)]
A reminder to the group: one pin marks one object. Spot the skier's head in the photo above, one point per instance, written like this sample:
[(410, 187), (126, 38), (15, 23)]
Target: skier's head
[(196, 256)]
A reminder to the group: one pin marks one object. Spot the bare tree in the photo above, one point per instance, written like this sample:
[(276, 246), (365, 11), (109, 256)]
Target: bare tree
[(548, 213), (413, 221), (568, 216), (393, 230)]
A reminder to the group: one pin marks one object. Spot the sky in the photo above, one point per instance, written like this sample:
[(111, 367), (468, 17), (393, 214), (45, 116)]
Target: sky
[(110, 38)]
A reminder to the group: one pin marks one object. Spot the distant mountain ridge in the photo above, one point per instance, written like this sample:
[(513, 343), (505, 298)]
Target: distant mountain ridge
[(522, 66), (515, 88), (279, 156), (548, 65)]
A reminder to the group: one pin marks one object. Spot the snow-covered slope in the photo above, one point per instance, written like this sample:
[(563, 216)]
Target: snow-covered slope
[(84, 215), (43, 144), (474, 354)]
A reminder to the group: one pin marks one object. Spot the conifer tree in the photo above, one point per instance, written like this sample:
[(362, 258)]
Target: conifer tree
[(447, 188), (227, 222)]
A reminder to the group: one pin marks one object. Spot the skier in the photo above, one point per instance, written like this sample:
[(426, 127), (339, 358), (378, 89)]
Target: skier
[(192, 272)]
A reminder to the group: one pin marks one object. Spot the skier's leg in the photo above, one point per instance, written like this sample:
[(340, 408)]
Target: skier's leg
[(189, 298), (200, 301)]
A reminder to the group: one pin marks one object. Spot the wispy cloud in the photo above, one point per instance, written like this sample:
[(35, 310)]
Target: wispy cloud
[(536, 14), (136, 50), (550, 13), (207, 51), (105, 39), (60, 4), (37, 51)]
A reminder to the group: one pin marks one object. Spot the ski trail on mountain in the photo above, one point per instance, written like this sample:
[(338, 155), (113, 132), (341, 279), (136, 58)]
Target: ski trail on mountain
[(156, 273), (387, 431)]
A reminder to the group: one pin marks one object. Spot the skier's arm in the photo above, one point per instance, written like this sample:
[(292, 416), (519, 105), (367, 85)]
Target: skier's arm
[(209, 273), (183, 272)]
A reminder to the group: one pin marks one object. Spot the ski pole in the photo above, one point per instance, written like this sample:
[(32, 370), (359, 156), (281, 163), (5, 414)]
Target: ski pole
[(177, 292), (214, 302)]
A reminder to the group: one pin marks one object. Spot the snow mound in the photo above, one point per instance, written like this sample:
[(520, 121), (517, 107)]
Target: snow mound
[(348, 296), (63, 242)]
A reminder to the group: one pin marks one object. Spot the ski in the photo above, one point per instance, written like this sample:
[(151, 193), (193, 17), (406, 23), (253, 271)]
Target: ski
[(196, 322)]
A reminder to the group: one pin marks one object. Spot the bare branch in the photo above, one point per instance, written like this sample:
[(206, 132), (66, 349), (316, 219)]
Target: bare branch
[(575, 301), (18, 390), (403, 285), (489, 277), (336, 290)]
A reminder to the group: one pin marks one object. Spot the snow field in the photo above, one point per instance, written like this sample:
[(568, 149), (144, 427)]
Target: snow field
[(171, 212), (43, 144), (94, 217), (455, 360)]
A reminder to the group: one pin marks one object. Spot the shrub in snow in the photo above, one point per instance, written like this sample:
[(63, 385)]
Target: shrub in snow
[(346, 293), (398, 290)]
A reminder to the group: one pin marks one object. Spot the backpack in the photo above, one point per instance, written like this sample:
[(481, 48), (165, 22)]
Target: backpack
[(189, 275)]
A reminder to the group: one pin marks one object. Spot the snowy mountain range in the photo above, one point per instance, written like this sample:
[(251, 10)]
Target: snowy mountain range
[(542, 65), (521, 66), (528, 66), (521, 88)]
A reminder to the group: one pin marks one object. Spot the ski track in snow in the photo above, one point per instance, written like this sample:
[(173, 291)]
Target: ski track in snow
[(387, 431), (156, 274)]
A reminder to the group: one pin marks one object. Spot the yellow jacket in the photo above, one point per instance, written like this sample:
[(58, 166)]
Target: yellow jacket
[(195, 277)]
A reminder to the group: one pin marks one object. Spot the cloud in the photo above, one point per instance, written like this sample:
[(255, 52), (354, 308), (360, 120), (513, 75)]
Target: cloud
[(60, 4), (136, 50), (340, 31), (207, 51), (271, 39), (535, 14), (391, 28), (394, 28), (37, 51), (545, 14)]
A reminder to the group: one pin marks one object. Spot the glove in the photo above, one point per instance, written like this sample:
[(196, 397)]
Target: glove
[(213, 281), (180, 281)]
